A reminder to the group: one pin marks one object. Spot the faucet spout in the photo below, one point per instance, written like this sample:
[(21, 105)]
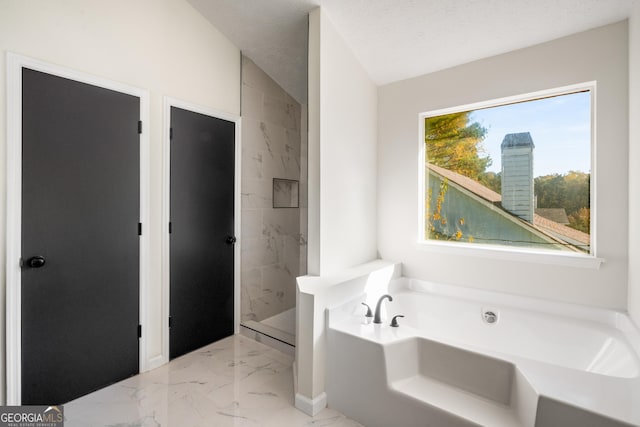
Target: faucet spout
[(376, 318)]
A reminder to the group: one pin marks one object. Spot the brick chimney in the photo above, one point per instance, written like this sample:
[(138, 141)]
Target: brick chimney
[(517, 175)]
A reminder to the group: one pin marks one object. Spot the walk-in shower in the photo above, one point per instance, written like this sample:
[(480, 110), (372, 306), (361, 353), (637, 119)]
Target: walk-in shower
[(274, 212)]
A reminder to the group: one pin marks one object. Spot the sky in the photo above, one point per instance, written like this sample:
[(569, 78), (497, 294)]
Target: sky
[(559, 126)]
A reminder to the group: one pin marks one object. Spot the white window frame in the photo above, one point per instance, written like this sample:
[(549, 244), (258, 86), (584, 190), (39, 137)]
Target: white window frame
[(504, 252)]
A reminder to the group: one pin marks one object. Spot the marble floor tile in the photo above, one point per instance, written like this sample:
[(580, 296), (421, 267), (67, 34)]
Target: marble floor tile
[(233, 382)]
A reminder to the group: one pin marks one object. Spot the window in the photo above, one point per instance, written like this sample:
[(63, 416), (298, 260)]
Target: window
[(514, 172)]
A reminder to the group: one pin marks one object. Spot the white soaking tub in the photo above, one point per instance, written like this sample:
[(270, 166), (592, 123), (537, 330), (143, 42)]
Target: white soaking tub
[(465, 357)]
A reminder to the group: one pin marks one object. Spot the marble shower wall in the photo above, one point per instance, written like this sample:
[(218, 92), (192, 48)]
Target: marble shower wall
[(273, 245)]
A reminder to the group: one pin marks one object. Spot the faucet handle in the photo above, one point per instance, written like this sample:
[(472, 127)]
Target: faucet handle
[(369, 314), (394, 322)]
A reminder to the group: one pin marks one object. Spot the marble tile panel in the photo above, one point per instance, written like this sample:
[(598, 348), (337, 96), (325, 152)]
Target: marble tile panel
[(304, 223), (294, 113), (248, 317), (275, 111), (282, 166), (264, 307), (256, 193), (293, 140), (274, 296), (291, 258), (274, 139), (260, 136), (291, 166), (260, 252), (260, 302), (251, 163), (281, 280), (290, 299), (304, 195), (252, 102), (281, 222), (246, 308), (271, 139), (254, 77), (252, 282), (251, 223)]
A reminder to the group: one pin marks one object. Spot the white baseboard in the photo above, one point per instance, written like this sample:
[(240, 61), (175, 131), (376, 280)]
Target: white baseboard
[(156, 362), (311, 406)]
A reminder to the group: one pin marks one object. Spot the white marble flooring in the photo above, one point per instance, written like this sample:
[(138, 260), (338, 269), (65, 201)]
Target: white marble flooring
[(233, 382)]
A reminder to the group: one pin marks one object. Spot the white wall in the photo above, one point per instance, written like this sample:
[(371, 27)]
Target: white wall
[(634, 163), (163, 46), (600, 54), (342, 153)]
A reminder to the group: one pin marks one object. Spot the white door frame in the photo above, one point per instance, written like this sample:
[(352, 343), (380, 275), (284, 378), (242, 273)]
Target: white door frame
[(169, 102), (15, 64)]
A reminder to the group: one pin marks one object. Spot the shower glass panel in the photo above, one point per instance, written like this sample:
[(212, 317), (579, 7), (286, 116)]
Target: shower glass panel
[(273, 188)]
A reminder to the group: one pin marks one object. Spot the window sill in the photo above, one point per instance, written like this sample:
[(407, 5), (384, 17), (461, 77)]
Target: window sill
[(513, 254)]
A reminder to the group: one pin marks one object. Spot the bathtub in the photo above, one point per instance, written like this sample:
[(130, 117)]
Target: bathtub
[(465, 357)]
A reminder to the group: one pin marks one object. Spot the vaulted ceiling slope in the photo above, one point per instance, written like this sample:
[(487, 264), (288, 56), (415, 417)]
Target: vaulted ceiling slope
[(399, 39)]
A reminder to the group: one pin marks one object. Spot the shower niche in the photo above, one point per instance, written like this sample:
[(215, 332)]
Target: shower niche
[(286, 193)]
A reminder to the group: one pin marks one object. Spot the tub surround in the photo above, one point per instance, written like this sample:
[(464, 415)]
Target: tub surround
[(315, 294), (439, 365)]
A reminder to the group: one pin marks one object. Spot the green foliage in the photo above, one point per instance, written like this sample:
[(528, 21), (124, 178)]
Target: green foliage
[(571, 192), (455, 144), (581, 220), (436, 225), (492, 180)]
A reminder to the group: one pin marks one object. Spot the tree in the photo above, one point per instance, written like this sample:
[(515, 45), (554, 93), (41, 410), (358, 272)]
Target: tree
[(455, 144), (551, 191), (581, 220), (569, 191), (492, 180)]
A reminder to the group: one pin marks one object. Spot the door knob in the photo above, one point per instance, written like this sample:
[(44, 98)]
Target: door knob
[(231, 240), (36, 261)]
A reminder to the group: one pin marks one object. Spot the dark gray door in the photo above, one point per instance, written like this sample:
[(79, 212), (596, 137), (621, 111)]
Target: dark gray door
[(80, 244), (202, 182)]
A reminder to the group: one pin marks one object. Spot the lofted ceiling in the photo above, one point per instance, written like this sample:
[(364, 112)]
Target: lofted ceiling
[(399, 39)]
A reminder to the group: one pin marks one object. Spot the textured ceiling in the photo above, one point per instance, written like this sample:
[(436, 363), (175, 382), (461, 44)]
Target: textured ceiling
[(399, 39), (273, 33)]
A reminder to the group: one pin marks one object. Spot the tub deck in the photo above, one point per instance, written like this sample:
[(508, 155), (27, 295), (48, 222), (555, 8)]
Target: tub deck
[(539, 365)]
